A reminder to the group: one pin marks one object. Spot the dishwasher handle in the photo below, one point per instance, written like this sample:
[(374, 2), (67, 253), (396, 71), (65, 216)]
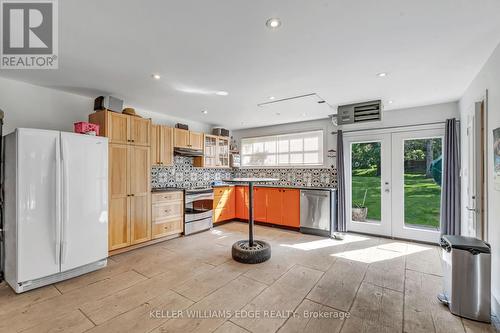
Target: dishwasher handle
[(322, 194)]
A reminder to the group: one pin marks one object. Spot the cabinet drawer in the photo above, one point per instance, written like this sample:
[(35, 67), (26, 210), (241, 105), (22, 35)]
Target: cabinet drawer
[(163, 229), (167, 197), (168, 211)]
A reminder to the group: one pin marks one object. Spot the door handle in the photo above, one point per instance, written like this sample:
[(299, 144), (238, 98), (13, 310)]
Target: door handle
[(471, 209)]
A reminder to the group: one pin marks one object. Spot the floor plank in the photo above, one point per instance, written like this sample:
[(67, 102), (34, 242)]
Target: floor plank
[(384, 285), (275, 304), (338, 287)]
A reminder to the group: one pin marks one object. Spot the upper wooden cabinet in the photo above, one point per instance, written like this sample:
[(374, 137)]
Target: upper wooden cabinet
[(215, 152), (187, 139), (195, 140), (181, 138), (162, 145), (123, 129)]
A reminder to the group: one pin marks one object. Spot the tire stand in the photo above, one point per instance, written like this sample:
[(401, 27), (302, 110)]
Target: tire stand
[(251, 251)]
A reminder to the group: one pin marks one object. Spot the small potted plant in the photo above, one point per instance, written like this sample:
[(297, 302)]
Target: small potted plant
[(360, 211)]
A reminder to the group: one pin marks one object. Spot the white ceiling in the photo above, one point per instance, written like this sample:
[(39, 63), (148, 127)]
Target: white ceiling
[(431, 50)]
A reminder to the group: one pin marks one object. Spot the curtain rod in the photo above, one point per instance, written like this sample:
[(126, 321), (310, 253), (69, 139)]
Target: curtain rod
[(392, 127)]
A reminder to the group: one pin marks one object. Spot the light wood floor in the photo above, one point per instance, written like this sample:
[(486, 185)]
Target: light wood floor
[(384, 285)]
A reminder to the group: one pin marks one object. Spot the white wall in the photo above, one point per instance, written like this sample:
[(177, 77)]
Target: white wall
[(31, 106), (488, 78), (402, 117)]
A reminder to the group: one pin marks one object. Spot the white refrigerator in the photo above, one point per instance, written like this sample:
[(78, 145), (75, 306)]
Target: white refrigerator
[(56, 206)]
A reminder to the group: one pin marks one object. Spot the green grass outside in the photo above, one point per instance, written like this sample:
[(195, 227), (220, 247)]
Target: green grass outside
[(422, 197)]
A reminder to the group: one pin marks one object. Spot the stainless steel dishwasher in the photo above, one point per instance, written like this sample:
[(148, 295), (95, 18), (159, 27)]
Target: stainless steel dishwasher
[(318, 211)]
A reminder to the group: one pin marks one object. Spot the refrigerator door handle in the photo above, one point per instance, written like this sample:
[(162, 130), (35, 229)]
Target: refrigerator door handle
[(58, 206), (65, 221)]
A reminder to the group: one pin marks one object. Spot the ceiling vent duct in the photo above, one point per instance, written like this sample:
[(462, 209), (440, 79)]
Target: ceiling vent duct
[(359, 112)]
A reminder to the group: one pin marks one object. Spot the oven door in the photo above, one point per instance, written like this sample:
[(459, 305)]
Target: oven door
[(199, 206)]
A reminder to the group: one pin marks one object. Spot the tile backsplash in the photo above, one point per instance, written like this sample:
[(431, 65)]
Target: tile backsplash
[(294, 176), (183, 174)]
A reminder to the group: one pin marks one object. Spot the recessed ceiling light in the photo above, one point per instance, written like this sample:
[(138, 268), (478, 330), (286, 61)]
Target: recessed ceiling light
[(390, 102), (271, 98), (204, 111), (156, 76), (382, 74), (303, 114), (273, 23), (221, 93)]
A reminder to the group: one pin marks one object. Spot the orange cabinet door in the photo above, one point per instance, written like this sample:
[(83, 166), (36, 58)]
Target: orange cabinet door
[(274, 205), (259, 204), (291, 212), (241, 202)]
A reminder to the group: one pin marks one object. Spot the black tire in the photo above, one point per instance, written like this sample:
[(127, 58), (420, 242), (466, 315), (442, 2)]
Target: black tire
[(242, 252)]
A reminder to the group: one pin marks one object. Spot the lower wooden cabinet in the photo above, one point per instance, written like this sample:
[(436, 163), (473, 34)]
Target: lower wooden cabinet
[(168, 213), (224, 204)]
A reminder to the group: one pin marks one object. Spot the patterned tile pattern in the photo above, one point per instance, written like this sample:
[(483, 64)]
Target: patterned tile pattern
[(183, 174), (294, 176)]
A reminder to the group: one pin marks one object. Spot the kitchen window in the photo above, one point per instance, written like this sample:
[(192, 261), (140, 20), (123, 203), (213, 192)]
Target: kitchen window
[(287, 150)]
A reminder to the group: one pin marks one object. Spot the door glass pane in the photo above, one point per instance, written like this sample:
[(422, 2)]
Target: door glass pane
[(366, 182), (423, 163)]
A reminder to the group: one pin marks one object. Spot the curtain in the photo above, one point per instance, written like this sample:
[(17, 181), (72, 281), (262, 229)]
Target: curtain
[(341, 196), (450, 191)]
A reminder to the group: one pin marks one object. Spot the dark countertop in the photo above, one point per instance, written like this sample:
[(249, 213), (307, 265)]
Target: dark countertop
[(281, 186), (166, 189)]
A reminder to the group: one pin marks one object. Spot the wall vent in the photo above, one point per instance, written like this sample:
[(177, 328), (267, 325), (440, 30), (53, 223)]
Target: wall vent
[(359, 112)]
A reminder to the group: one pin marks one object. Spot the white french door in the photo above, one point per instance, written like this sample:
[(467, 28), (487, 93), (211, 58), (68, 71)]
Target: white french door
[(416, 194), (368, 183), (393, 183)]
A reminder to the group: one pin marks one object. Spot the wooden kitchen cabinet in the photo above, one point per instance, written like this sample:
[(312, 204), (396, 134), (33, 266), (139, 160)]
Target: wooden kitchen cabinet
[(209, 158), (224, 204), (215, 152), (168, 212), (162, 145), (122, 129), (187, 139), (140, 194), (140, 131), (181, 138), (129, 191), (129, 177), (119, 199), (195, 140)]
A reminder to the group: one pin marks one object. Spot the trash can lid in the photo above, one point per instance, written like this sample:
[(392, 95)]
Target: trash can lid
[(467, 243)]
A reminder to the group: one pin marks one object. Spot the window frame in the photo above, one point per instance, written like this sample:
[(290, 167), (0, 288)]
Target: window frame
[(277, 154)]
